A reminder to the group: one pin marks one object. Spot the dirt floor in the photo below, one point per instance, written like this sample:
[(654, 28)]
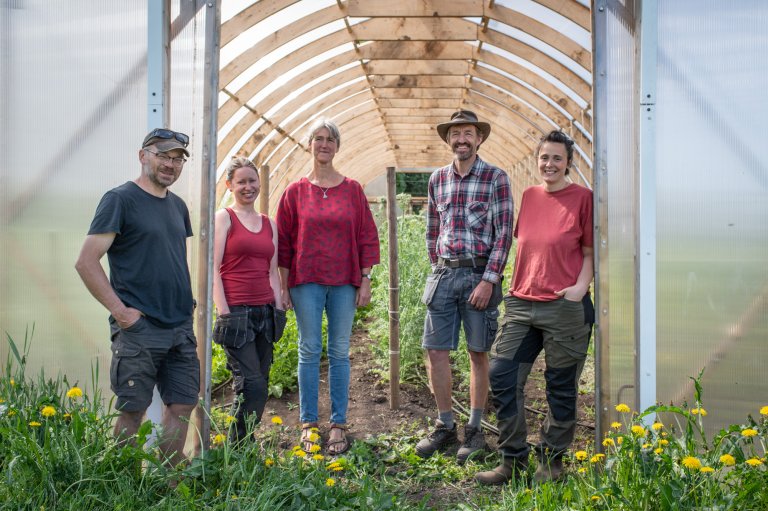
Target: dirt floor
[(369, 410)]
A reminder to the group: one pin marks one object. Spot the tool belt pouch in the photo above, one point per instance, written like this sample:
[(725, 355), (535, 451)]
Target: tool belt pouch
[(433, 280), (231, 330)]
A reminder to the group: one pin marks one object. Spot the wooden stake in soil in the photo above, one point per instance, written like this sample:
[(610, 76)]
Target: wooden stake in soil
[(264, 194), (394, 294)]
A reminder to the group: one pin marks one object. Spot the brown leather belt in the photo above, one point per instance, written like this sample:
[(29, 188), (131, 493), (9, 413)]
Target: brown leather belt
[(469, 262)]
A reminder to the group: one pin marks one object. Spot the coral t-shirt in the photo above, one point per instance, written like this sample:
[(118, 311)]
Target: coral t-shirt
[(552, 228)]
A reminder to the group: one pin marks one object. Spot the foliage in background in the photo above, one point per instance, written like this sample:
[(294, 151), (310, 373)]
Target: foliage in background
[(57, 452)]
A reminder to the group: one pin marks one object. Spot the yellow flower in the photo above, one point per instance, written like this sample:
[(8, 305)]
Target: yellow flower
[(595, 498), (315, 448), (74, 393), (608, 442), (314, 429), (48, 411), (219, 439), (691, 462), (580, 455), (67, 416), (299, 453), (707, 470), (657, 426), (318, 457), (295, 448), (638, 430), (646, 446), (333, 465), (269, 462), (314, 437), (330, 481), (658, 450), (582, 470), (622, 408), (699, 411), (12, 382), (338, 469), (620, 440), (2, 400), (35, 424), (11, 412), (277, 420), (597, 458), (753, 462), (749, 432), (727, 459), (663, 442), (229, 420), (616, 425), (764, 410)]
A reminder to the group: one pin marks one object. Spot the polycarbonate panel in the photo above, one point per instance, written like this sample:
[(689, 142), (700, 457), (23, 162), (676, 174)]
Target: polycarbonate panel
[(73, 117), (712, 205)]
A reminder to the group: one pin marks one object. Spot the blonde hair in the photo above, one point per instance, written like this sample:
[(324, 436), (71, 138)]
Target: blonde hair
[(237, 163)]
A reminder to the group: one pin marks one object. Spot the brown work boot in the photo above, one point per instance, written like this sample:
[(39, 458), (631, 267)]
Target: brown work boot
[(474, 442), (509, 469), (549, 469), (437, 440)]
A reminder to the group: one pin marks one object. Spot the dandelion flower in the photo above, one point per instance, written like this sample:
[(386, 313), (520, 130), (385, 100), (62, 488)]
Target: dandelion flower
[(582, 470), (299, 453), (622, 408), (707, 470), (753, 462), (12, 382), (67, 416), (646, 446), (74, 393), (595, 498), (764, 410), (219, 439), (314, 448), (616, 425), (295, 448), (663, 441), (314, 437), (727, 459), (691, 463), (277, 420), (314, 429), (330, 482), (658, 450), (657, 426), (48, 411), (749, 432), (699, 411), (35, 424), (333, 465), (638, 430), (580, 455), (318, 457), (339, 469), (229, 420), (620, 440), (608, 442), (597, 458), (269, 462)]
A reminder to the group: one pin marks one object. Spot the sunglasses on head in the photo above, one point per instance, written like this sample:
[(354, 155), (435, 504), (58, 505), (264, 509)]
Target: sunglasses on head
[(167, 135)]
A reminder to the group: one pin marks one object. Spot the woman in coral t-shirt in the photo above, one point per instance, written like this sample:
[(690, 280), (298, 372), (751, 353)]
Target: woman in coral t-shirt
[(328, 245), (246, 291), (548, 308)]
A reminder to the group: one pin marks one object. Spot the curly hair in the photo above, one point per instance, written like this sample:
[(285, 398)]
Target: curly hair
[(558, 137)]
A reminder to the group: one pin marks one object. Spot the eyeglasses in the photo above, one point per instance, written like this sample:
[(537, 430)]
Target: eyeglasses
[(165, 159), (167, 135)]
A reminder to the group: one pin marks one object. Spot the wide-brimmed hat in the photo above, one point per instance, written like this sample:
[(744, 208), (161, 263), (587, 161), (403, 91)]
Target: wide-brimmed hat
[(464, 117)]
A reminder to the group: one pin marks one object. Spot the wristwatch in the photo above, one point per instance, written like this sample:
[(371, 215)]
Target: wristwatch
[(367, 276)]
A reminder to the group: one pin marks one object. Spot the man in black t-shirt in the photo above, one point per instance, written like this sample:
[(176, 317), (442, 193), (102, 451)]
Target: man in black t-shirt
[(142, 228)]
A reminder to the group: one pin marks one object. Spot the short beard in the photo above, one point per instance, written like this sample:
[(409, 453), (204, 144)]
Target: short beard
[(466, 156)]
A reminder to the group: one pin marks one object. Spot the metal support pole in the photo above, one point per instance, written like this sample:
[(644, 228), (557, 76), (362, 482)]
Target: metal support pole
[(207, 205), (394, 294), (264, 193), (645, 322)]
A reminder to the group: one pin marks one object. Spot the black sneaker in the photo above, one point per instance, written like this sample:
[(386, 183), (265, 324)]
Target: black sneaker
[(439, 439), (474, 441)]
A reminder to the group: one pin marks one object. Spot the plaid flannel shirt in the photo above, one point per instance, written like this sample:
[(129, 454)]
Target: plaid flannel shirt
[(471, 216)]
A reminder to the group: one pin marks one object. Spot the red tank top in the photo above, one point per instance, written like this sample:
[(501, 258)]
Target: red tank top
[(245, 265)]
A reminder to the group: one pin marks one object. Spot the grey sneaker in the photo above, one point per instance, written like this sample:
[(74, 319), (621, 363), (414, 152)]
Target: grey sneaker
[(439, 439), (474, 441)]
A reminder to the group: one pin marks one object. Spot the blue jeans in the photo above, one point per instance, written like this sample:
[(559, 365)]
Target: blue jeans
[(338, 302)]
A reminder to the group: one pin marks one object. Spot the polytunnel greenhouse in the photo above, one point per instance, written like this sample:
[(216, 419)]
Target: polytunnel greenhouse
[(665, 101)]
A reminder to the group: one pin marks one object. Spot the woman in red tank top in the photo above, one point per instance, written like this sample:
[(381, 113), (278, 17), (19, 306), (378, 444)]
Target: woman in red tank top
[(246, 290)]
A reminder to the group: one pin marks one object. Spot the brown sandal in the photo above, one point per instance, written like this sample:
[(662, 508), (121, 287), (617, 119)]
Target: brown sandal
[(340, 445), (309, 435)]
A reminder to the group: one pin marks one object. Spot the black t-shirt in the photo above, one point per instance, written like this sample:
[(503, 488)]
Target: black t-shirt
[(148, 258)]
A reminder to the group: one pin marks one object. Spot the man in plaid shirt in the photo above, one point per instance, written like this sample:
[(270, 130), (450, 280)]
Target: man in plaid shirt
[(469, 234)]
